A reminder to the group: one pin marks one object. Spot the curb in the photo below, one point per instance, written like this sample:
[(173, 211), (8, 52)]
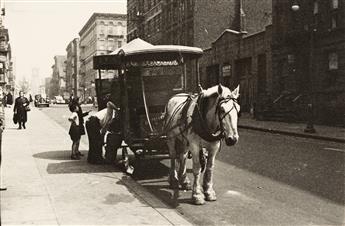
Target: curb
[(173, 216), (295, 134)]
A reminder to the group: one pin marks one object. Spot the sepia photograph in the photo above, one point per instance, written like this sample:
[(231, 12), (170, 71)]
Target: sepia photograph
[(172, 112)]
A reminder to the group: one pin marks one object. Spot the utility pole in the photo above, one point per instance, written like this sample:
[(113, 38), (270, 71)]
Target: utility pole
[(310, 112)]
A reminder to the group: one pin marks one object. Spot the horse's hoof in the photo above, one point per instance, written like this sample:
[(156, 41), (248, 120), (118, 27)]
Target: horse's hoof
[(186, 186), (210, 196), (198, 200)]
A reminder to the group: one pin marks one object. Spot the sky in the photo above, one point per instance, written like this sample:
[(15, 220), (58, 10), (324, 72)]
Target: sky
[(41, 29)]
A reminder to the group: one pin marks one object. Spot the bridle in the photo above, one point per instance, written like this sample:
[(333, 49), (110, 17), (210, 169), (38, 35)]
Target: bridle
[(205, 131), (223, 100)]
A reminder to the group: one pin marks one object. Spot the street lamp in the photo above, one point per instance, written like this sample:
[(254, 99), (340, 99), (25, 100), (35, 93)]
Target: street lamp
[(295, 6), (310, 112)]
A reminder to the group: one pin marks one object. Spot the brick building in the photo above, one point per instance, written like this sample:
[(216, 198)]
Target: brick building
[(6, 75), (58, 81), (243, 55), (237, 59), (72, 68), (102, 34), (145, 20), (194, 22), (308, 47), (47, 84)]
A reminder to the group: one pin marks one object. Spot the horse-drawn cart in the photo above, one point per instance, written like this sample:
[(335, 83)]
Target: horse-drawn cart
[(144, 77)]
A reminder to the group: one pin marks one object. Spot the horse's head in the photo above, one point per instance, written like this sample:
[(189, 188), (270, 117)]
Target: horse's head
[(227, 110)]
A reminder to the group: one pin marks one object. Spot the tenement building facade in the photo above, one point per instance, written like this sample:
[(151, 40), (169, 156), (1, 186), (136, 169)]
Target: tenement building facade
[(72, 68), (235, 59), (102, 34), (189, 22), (242, 55), (309, 59), (194, 22), (6, 72), (58, 81)]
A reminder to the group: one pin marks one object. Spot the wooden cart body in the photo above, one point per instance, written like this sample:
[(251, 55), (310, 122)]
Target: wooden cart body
[(145, 78)]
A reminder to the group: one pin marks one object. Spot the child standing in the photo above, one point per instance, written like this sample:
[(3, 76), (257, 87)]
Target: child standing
[(74, 131)]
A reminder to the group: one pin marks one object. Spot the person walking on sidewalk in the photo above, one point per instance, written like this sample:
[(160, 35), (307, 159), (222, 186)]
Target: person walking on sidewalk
[(74, 132), (96, 127), (21, 107)]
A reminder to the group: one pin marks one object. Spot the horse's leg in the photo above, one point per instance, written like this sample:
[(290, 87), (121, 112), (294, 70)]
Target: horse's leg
[(173, 179), (182, 173), (198, 197), (210, 194)]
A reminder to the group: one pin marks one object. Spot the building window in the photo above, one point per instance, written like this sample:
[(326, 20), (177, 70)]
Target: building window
[(334, 4), (316, 7), (291, 59), (119, 44), (333, 61)]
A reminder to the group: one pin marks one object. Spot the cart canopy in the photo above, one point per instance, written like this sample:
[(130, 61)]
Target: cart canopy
[(141, 53)]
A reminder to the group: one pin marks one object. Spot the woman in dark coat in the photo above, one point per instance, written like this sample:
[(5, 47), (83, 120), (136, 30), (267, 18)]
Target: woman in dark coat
[(20, 109)]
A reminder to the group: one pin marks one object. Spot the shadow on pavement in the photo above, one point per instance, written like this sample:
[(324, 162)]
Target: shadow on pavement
[(153, 175), (72, 166), (79, 166), (11, 128), (56, 155), (150, 169)]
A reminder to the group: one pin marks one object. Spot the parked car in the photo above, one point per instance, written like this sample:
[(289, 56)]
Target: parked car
[(41, 101), (59, 100)]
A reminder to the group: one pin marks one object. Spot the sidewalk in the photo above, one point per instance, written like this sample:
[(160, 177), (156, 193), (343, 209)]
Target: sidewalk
[(45, 187), (328, 133)]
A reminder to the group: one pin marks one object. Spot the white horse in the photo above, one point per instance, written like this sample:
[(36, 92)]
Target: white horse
[(197, 125)]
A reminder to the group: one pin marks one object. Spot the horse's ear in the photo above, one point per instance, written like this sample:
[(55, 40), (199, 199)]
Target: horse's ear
[(236, 92), (200, 89), (220, 89)]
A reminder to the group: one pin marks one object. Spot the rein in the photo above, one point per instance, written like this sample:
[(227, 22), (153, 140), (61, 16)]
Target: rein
[(225, 100)]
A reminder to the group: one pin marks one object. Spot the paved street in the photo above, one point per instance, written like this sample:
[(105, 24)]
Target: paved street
[(267, 179)]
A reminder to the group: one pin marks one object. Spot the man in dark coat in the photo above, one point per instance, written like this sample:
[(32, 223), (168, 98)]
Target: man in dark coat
[(20, 109)]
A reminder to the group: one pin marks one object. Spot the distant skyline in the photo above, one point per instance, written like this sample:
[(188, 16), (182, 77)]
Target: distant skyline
[(41, 29)]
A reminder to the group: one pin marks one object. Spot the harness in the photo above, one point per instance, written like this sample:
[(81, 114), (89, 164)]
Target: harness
[(195, 104)]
